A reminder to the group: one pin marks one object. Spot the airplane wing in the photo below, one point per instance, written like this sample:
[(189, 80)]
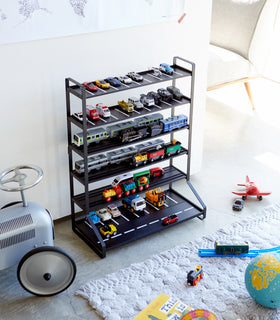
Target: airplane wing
[(264, 193), (241, 184), (240, 193)]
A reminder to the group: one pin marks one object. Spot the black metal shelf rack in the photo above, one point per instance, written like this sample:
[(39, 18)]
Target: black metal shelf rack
[(129, 226)]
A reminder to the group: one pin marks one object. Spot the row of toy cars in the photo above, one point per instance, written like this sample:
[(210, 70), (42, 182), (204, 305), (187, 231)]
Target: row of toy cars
[(131, 76), (146, 100)]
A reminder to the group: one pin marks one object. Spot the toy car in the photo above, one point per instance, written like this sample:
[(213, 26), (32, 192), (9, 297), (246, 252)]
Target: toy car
[(165, 95), (135, 76), (90, 86), (165, 68), (103, 110), (155, 96), (136, 102), (147, 100), (113, 81), (194, 276), (113, 210), (78, 115), (175, 92), (26, 238), (238, 205), (168, 220), (103, 214), (108, 230), (93, 217), (127, 106), (102, 84), (124, 79), (157, 72)]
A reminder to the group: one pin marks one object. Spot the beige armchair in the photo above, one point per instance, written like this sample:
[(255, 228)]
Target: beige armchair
[(241, 32)]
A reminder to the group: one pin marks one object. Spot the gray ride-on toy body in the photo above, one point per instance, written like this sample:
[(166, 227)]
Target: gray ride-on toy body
[(26, 239)]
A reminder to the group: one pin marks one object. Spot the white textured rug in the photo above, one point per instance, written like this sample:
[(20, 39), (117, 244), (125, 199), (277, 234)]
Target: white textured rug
[(123, 294)]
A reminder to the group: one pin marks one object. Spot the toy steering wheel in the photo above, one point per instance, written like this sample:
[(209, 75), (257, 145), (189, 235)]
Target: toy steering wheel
[(19, 177)]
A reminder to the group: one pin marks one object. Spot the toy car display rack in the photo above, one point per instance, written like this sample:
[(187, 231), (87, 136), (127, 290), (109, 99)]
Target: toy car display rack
[(135, 227)]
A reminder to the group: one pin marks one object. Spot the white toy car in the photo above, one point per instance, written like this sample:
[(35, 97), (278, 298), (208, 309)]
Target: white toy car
[(124, 79), (103, 214), (103, 110), (136, 102)]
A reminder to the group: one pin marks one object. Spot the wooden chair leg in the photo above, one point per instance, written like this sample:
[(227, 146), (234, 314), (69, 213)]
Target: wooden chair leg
[(249, 92)]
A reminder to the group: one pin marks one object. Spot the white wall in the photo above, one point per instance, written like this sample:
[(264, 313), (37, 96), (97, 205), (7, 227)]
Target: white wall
[(33, 112)]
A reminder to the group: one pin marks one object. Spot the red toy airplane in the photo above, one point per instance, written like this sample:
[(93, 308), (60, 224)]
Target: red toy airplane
[(251, 190)]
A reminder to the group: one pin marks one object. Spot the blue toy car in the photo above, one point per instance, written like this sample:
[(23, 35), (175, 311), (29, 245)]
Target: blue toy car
[(113, 81), (94, 218), (165, 68)]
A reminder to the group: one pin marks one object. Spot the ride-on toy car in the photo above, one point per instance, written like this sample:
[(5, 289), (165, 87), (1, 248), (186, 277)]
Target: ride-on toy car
[(26, 238)]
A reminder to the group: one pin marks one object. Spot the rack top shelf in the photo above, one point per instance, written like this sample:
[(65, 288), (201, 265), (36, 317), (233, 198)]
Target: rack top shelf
[(148, 78)]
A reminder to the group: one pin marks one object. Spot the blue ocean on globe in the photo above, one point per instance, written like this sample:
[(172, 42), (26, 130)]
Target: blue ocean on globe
[(262, 279)]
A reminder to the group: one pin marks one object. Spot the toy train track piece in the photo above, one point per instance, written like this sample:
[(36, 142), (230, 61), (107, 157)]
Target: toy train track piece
[(250, 254)]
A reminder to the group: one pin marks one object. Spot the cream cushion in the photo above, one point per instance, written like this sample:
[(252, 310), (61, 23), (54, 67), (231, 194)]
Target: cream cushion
[(241, 34)]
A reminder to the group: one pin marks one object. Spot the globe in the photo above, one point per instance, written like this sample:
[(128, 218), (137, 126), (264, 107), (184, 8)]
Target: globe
[(262, 279)]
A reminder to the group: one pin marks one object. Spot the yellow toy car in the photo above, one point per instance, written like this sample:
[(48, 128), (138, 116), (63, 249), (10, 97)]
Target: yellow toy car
[(102, 84), (108, 230)]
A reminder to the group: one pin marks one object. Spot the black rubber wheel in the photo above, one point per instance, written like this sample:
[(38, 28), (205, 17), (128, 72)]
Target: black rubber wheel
[(46, 271)]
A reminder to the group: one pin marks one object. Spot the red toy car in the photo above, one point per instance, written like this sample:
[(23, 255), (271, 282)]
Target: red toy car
[(168, 220), (90, 86)]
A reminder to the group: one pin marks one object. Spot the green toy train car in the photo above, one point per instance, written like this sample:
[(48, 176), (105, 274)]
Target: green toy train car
[(227, 247)]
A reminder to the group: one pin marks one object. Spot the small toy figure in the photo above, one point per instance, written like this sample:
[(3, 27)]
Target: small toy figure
[(195, 275), (251, 190)]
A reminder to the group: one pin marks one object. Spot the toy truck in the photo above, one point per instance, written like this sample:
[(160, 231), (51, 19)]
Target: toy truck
[(134, 203), (156, 197), (127, 106), (92, 113), (172, 148)]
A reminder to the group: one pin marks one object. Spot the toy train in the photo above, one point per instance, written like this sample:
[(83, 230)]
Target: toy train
[(195, 275), (135, 156), (226, 247), (142, 127)]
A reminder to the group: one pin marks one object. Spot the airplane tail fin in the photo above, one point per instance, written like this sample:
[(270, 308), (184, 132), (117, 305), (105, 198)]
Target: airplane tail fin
[(247, 179)]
